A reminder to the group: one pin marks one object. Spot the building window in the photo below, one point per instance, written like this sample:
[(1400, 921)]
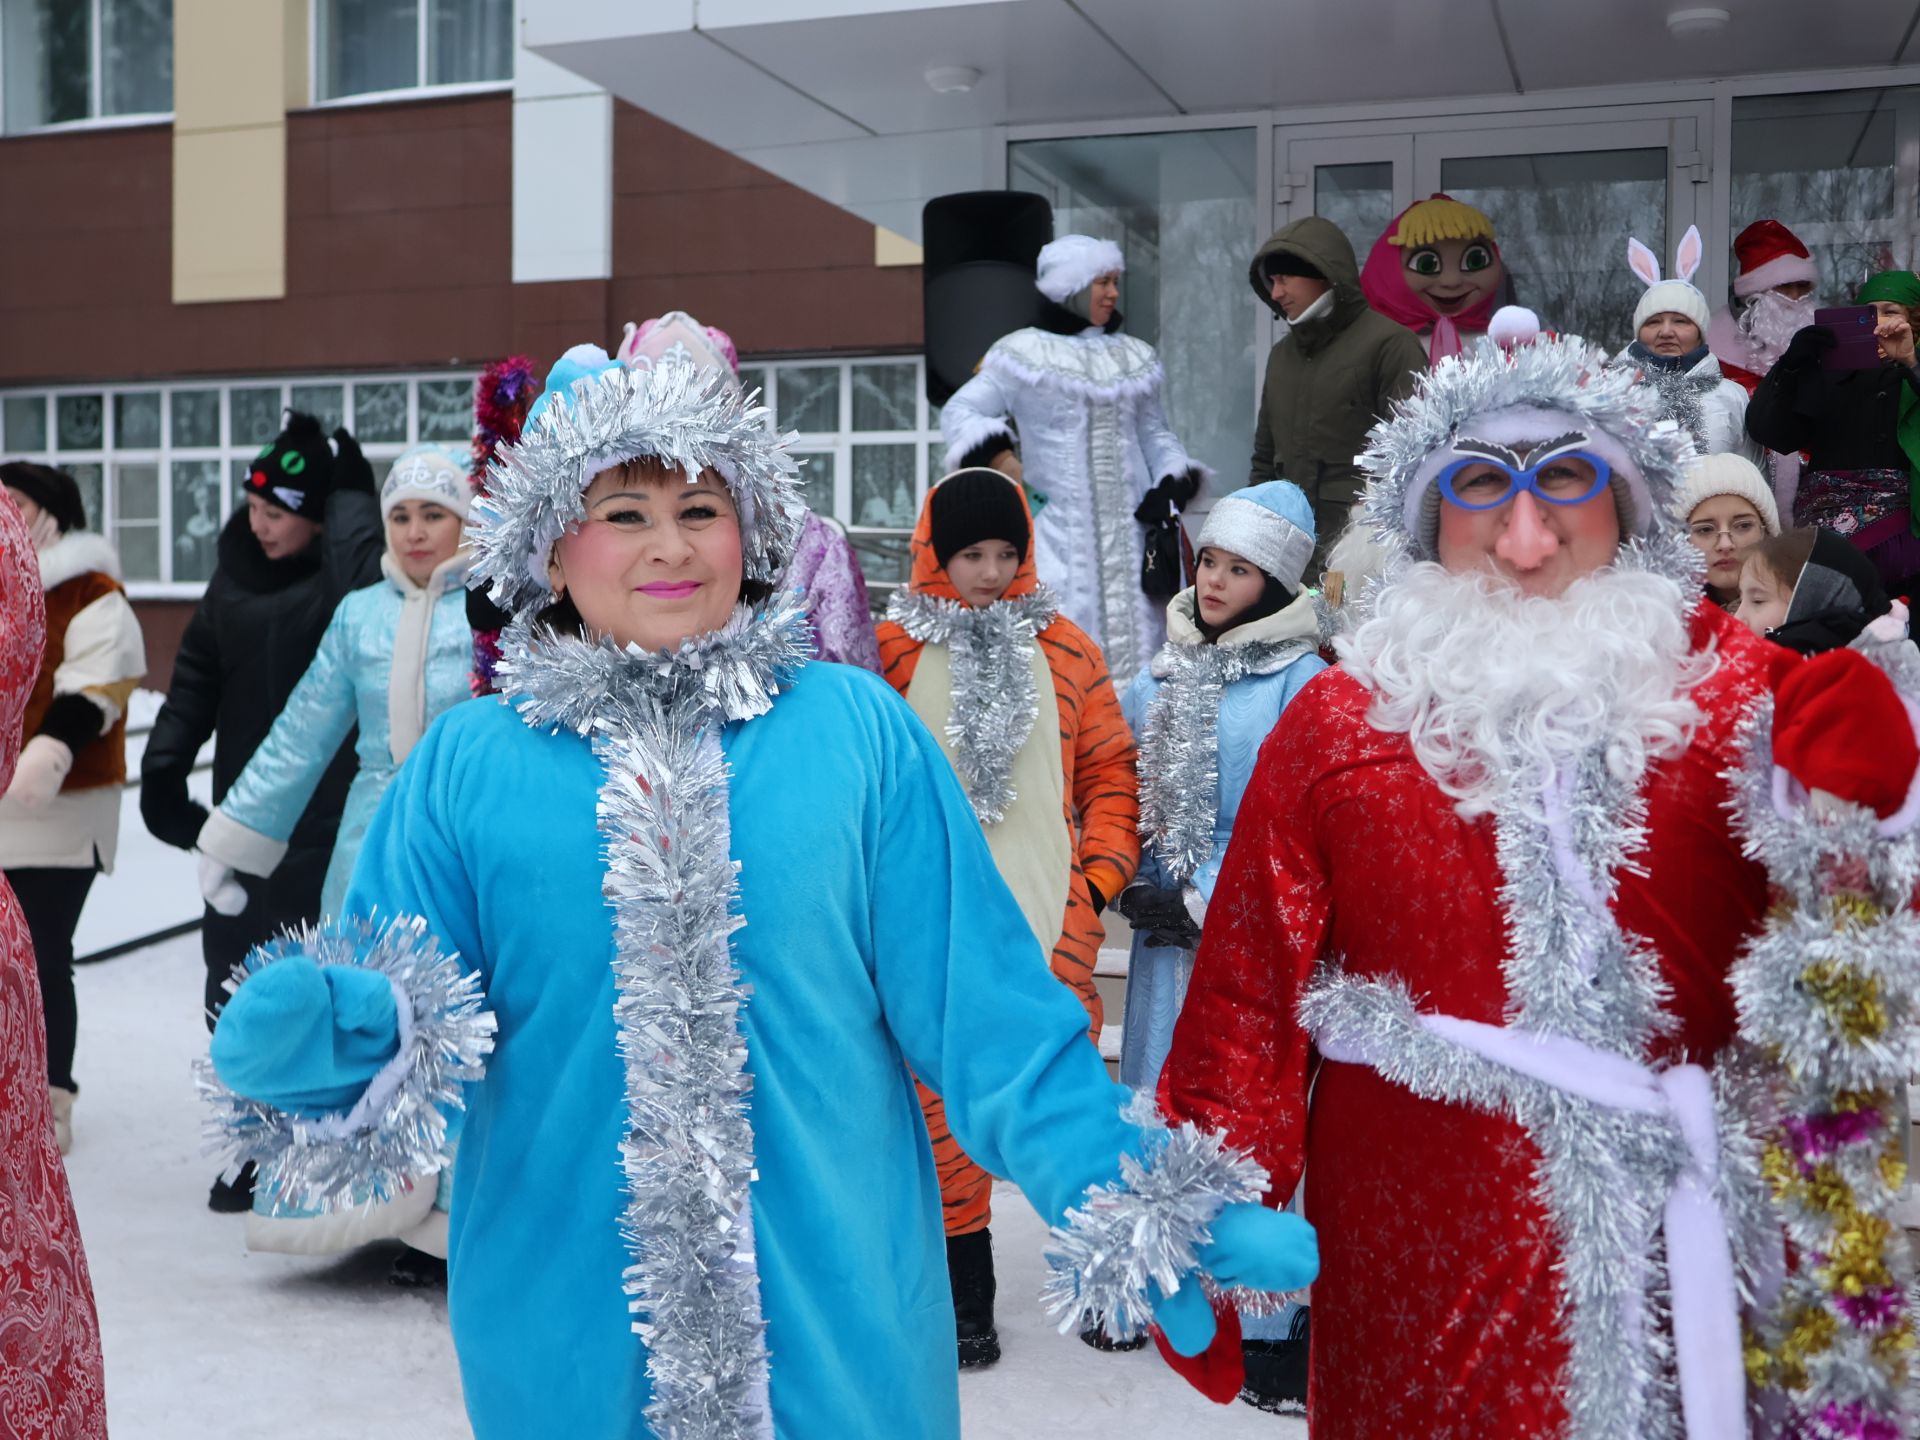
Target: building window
[(868, 447), (377, 47), (1832, 167), (77, 60), (160, 466)]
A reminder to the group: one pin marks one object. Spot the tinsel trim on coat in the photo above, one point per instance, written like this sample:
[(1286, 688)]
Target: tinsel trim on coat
[(1830, 994), (1180, 749), (995, 698), (688, 1156), (395, 1136), (1147, 1226), (689, 418)]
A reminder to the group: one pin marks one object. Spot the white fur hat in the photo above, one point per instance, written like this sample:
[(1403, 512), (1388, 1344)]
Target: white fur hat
[(1727, 474), (1073, 262)]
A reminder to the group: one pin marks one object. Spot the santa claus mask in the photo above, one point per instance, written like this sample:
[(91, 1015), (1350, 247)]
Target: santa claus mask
[(1770, 321)]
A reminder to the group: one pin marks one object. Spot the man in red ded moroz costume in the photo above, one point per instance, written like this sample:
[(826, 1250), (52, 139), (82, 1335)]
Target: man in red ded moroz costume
[(1771, 300), (1486, 880)]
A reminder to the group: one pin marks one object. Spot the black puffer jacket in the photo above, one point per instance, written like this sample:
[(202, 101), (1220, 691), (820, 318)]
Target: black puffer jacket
[(1843, 419), (249, 642)]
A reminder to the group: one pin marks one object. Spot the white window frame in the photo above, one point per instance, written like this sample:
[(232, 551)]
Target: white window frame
[(840, 444), (420, 91), (96, 90), (230, 453)]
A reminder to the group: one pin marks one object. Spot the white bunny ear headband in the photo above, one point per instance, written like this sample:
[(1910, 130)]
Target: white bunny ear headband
[(1686, 259)]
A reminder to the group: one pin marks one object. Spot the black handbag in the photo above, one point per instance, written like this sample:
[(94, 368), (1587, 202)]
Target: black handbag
[(1166, 559)]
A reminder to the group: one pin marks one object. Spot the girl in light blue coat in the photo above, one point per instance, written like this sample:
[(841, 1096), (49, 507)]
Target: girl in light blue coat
[(1240, 645), (1241, 641), (396, 655)]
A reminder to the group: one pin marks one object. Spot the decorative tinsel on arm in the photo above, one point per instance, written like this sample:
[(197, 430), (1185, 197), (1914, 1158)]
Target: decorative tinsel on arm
[(1830, 992), (501, 399), (1149, 1225), (396, 1132)]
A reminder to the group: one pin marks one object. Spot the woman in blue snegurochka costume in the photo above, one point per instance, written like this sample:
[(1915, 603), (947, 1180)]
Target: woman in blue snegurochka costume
[(715, 900), (395, 655)]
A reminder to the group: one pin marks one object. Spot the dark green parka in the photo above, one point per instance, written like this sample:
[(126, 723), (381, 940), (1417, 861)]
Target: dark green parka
[(1328, 380)]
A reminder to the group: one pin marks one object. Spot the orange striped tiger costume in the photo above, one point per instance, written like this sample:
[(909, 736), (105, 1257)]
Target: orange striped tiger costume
[(1101, 815)]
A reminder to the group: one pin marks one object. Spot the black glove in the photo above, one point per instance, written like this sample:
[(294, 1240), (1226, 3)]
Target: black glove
[(350, 468), (1160, 913), (483, 615), (172, 816), (1169, 496), (1803, 352)]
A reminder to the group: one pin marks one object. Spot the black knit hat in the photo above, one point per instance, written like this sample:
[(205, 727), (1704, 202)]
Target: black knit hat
[(1285, 262), (974, 505), (54, 491), (295, 471)]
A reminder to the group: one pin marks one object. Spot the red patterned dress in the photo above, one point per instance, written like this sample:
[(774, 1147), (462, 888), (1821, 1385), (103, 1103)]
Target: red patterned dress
[(51, 1383), (1436, 1312)]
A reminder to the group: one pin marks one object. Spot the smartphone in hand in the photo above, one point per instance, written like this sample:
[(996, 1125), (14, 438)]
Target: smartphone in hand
[(1852, 326)]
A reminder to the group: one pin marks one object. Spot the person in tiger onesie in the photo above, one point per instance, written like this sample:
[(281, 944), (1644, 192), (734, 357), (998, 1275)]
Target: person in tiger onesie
[(975, 643)]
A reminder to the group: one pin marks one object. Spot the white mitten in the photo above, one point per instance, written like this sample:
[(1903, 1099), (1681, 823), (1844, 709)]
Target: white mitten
[(44, 763), (219, 888)]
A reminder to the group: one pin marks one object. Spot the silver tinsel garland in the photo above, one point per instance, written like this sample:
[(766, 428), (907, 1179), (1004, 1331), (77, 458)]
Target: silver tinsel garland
[(396, 1136), (995, 700), (1180, 749), (654, 720), (690, 418), (1830, 992), (1147, 1226), (1681, 393)]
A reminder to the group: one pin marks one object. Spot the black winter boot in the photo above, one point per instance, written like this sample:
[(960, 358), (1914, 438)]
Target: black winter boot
[(1099, 1339), (970, 1271), (232, 1197), (416, 1270), (1277, 1369)]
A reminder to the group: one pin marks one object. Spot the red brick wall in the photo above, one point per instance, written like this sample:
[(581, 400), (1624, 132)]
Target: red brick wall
[(399, 253)]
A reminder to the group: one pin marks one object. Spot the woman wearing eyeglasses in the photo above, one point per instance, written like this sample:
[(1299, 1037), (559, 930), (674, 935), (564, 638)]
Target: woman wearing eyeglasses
[(1729, 509)]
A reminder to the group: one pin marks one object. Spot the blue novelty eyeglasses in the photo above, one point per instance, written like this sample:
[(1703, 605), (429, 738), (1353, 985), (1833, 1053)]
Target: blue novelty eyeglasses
[(1567, 477)]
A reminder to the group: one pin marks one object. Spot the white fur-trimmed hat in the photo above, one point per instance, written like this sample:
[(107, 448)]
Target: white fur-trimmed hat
[(1270, 524), (1073, 262), (1727, 474)]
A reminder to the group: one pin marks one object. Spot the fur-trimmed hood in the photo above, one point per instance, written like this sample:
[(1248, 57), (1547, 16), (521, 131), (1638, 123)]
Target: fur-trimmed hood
[(1299, 620), (76, 553)]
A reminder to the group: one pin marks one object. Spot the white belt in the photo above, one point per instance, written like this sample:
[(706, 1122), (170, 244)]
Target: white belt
[(1706, 1307)]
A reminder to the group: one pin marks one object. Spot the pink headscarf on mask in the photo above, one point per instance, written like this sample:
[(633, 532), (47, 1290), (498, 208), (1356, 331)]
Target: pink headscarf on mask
[(1384, 280)]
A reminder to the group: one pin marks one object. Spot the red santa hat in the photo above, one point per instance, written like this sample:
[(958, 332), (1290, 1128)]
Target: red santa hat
[(1769, 254)]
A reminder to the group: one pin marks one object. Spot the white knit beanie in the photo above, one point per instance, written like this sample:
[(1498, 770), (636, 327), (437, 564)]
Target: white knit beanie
[(1677, 296), (1726, 474), (427, 472)]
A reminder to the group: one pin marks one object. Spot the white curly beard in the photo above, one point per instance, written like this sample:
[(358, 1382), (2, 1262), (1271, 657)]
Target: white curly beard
[(1770, 322), (1497, 690)]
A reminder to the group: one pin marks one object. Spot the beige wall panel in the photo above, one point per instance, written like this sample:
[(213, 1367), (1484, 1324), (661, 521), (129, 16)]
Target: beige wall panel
[(893, 248), (230, 215), (223, 70)]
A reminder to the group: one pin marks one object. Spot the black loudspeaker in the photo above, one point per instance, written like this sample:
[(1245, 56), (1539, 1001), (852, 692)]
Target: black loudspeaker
[(981, 247)]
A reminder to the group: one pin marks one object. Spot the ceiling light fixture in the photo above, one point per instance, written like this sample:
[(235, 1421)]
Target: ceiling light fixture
[(1691, 20), (952, 79)]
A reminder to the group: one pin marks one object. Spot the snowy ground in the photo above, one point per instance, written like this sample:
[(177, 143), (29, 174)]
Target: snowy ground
[(202, 1337)]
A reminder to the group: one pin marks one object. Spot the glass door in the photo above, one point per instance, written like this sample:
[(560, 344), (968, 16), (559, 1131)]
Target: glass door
[(1360, 182), (1564, 199)]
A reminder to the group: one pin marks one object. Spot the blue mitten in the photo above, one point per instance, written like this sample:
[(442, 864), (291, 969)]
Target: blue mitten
[(1260, 1249), (1252, 1247), (306, 1038)]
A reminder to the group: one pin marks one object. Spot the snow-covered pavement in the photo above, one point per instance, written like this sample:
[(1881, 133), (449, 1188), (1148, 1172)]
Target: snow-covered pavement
[(203, 1338)]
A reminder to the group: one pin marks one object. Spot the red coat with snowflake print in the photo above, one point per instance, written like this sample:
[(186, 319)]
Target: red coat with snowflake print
[(51, 1385), (1436, 1312)]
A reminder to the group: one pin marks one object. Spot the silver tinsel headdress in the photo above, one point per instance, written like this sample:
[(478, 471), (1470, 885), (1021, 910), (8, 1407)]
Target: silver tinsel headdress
[(1559, 376), (596, 414)]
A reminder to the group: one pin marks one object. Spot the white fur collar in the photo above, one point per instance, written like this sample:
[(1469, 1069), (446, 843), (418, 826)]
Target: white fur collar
[(1298, 621), (78, 552)]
